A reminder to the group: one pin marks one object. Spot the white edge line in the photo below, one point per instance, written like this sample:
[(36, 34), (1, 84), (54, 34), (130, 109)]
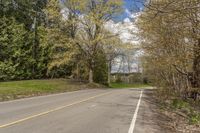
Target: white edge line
[(132, 126)]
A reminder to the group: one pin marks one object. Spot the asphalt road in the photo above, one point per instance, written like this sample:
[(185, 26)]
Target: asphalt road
[(86, 111)]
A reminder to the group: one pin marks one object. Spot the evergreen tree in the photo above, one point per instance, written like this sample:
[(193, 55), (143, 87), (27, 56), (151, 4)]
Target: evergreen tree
[(13, 50)]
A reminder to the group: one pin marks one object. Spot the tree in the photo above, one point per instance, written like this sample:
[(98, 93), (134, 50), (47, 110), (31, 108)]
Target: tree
[(13, 58), (84, 27), (91, 33), (24, 39), (61, 31), (113, 48), (170, 33)]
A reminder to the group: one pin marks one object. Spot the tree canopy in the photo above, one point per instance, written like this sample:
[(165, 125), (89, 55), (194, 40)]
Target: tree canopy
[(52, 38)]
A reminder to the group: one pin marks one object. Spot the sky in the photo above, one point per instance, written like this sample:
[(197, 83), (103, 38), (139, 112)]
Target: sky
[(130, 7), (124, 24)]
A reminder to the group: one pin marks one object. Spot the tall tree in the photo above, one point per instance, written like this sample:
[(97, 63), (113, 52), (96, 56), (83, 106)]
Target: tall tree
[(91, 33), (170, 30), (84, 27), (33, 50)]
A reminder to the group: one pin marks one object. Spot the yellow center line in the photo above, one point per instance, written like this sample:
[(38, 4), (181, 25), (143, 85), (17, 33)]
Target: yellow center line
[(50, 111)]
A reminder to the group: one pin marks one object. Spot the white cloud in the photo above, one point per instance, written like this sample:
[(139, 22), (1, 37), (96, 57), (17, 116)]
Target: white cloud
[(127, 20), (128, 12), (132, 15), (125, 29)]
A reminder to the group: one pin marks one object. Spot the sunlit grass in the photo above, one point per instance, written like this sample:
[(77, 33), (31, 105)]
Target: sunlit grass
[(27, 88)]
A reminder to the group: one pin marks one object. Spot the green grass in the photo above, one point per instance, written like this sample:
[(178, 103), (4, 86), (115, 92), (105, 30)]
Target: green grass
[(28, 88), (194, 118), (179, 104), (186, 109), (124, 85)]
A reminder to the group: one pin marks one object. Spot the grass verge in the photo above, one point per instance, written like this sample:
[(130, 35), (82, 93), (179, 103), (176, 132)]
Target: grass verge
[(29, 88), (186, 108), (182, 115)]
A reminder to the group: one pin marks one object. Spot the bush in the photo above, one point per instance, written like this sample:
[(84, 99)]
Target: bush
[(118, 80), (179, 104)]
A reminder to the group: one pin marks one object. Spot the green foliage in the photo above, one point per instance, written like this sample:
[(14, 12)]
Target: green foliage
[(136, 78), (194, 118), (16, 51), (13, 58), (24, 11), (118, 80), (24, 48), (133, 78), (186, 109), (179, 104), (90, 36), (63, 71), (36, 43), (101, 69)]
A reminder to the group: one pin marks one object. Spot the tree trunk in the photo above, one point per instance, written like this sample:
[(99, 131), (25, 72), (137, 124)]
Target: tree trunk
[(196, 71), (91, 76), (196, 65), (109, 73), (77, 73), (35, 45)]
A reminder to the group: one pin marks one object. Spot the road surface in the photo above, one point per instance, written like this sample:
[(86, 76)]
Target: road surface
[(85, 111)]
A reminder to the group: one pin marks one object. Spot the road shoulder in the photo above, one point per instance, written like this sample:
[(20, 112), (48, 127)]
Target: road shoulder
[(150, 119)]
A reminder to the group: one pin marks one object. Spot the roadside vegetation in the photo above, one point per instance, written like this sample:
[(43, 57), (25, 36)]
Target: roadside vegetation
[(58, 39), (170, 32), (29, 88), (11, 90)]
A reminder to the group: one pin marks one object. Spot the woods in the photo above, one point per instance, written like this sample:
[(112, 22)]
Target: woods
[(23, 55), (170, 31), (51, 38)]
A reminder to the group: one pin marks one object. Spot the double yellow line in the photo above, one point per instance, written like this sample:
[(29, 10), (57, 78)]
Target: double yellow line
[(50, 111)]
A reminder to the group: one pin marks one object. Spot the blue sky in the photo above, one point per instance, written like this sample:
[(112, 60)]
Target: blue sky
[(133, 5), (130, 6)]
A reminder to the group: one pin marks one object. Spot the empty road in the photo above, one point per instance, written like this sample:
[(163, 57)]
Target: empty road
[(85, 111)]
